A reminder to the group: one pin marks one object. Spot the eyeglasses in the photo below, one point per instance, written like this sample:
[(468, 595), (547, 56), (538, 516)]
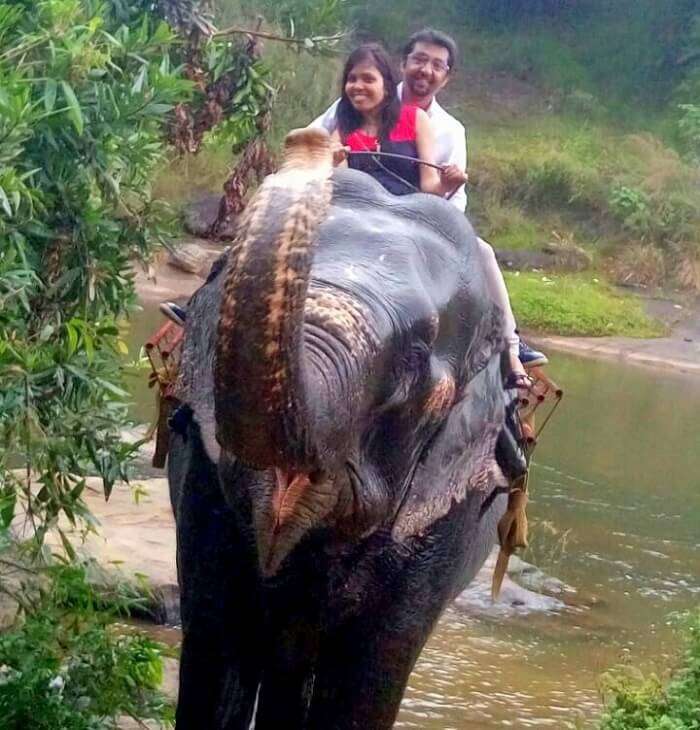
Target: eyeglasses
[(419, 59)]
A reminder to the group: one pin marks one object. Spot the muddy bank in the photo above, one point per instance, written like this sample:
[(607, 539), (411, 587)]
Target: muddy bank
[(176, 277)]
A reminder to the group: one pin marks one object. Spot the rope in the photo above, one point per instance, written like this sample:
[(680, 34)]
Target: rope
[(375, 154), (512, 527), (546, 420), (396, 155)]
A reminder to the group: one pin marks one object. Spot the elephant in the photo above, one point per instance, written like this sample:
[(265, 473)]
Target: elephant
[(339, 460)]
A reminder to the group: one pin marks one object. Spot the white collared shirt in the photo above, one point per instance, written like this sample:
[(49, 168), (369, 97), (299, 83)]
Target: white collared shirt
[(450, 139)]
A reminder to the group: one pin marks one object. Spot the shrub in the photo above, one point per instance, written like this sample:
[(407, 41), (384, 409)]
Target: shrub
[(631, 207), (638, 264), (689, 128), (65, 665), (687, 270), (83, 99), (632, 703), (86, 94), (605, 188)]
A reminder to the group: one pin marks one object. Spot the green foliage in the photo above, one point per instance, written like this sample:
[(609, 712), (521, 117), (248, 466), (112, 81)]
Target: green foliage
[(541, 164), (639, 703), (304, 85), (318, 24), (631, 206), (624, 51), (65, 665), (588, 181), (88, 94), (510, 227), (578, 305), (83, 100)]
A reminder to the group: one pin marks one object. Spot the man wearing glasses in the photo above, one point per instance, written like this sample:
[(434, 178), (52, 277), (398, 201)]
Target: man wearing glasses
[(428, 59)]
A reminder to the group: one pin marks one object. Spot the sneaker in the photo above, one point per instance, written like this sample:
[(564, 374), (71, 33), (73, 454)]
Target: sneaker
[(531, 358), (174, 312)]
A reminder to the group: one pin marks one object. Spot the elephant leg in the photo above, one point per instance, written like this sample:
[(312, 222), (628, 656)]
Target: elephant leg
[(287, 683), (293, 637), (366, 661), (219, 666), (365, 666)]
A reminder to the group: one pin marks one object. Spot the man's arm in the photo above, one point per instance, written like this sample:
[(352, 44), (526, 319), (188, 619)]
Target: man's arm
[(327, 119), (458, 156)]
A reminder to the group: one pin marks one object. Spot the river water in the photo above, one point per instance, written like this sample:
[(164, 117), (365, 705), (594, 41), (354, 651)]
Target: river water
[(615, 514)]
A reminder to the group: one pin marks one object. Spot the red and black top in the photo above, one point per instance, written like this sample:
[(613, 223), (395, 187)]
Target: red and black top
[(397, 176)]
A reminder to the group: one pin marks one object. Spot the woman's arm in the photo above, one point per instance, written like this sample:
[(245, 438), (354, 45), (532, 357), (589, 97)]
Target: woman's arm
[(431, 181)]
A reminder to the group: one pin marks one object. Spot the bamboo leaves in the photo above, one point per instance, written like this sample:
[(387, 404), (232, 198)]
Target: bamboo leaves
[(75, 113), (83, 105), (50, 89)]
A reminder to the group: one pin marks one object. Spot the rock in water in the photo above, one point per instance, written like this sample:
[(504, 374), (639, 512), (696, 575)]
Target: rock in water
[(188, 257), (514, 600)]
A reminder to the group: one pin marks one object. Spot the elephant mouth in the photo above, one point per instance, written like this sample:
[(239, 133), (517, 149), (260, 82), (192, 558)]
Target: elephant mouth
[(299, 502)]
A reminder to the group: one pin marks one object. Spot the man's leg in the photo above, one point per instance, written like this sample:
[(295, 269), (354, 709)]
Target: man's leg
[(519, 353), (499, 295)]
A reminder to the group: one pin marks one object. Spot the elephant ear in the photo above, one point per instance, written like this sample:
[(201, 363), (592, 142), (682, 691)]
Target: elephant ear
[(195, 382), (460, 459)]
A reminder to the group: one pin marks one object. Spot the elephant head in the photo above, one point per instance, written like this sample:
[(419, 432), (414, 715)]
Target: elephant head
[(351, 327)]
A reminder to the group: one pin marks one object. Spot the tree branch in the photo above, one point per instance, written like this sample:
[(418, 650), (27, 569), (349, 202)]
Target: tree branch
[(687, 58), (234, 30)]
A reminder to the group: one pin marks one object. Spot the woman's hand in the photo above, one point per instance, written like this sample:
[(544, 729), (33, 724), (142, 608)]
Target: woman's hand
[(452, 177), (340, 155)]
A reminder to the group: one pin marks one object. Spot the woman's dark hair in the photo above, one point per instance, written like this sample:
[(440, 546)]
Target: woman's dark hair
[(347, 117)]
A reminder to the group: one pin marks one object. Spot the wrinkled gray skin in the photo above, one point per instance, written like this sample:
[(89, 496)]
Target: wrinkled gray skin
[(319, 605)]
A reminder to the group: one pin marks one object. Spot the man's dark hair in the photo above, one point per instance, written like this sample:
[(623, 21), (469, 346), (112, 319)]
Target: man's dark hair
[(348, 118), (437, 38)]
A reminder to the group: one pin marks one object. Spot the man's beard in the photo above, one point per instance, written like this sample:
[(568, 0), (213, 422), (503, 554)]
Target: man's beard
[(421, 88)]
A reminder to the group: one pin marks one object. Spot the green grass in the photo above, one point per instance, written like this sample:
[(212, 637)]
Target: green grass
[(537, 178), (577, 304)]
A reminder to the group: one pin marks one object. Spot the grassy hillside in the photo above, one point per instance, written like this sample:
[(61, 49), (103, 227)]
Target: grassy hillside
[(539, 172)]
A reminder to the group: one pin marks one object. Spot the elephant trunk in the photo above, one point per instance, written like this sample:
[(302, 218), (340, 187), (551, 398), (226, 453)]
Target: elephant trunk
[(261, 397)]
